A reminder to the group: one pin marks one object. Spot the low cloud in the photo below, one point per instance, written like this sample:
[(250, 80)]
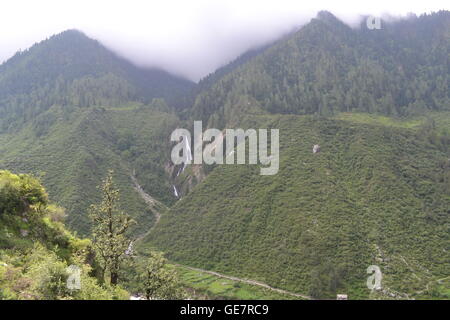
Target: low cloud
[(187, 38)]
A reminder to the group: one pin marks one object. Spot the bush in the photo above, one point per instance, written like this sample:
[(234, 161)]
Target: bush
[(18, 193)]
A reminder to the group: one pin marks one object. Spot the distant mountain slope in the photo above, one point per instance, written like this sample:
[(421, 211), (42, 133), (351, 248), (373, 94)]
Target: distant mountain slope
[(74, 151), (328, 67), (376, 194), (373, 195), (207, 82), (71, 109), (73, 70)]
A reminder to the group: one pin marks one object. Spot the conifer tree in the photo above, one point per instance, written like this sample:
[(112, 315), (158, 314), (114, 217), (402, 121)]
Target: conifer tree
[(109, 230)]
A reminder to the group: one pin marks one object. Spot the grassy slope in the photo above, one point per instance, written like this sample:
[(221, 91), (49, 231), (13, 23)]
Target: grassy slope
[(373, 195), (206, 286), (76, 151)]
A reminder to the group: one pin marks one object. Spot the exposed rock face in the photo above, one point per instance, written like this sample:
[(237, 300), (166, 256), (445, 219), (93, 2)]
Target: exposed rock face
[(23, 233), (316, 148)]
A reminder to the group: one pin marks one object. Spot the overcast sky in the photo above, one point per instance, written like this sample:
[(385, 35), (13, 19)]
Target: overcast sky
[(190, 38)]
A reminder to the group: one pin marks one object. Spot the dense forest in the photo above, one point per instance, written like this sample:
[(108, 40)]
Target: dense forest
[(363, 199), (374, 194), (328, 67), (378, 192), (72, 70)]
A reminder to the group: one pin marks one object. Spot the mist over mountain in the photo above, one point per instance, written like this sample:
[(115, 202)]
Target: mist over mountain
[(328, 67), (191, 39), (377, 101), (70, 69), (315, 226)]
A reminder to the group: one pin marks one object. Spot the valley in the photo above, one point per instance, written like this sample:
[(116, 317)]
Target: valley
[(376, 190)]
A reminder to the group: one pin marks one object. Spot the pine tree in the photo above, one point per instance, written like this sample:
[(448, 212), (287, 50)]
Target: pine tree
[(109, 230)]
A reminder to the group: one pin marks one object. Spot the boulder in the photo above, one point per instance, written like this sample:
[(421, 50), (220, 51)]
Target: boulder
[(316, 148)]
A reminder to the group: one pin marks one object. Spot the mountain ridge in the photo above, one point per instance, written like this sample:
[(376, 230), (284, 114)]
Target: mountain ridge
[(376, 101), (327, 67), (72, 70)]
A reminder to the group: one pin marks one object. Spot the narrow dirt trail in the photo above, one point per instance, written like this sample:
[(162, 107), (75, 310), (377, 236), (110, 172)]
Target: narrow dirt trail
[(154, 205), (148, 199)]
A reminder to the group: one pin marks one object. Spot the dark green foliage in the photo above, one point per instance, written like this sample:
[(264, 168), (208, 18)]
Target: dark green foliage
[(377, 193), (157, 281), (109, 230), (328, 67), (373, 195), (36, 249), (210, 80), (19, 192), (75, 151), (71, 70)]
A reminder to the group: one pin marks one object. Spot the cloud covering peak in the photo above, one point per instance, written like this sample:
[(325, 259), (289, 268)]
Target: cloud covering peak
[(187, 38)]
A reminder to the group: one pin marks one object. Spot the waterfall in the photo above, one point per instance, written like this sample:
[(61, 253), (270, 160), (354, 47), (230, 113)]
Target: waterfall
[(175, 191)]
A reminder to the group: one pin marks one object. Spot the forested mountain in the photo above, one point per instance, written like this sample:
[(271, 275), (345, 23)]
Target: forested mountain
[(72, 70), (72, 153), (374, 195), (70, 110), (327, 67), (210, 80), (378, 192)]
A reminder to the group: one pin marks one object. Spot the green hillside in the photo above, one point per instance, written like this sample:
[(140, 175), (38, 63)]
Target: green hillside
[(378, 193), (70, 109), (36, 249), (373, 195), (74, 71), (327, 67), (73, 152)]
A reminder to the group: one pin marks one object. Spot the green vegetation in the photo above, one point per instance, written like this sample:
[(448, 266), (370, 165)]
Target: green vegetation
[(36, 249), (158, 280), (376, 119), (373, 195), (200, 285), (378, 192), (109, 232), (327, 67), (441, 120), (74, 152)]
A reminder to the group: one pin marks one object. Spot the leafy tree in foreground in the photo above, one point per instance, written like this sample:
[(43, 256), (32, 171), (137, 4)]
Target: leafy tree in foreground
[(158, 281), (109, 230)]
